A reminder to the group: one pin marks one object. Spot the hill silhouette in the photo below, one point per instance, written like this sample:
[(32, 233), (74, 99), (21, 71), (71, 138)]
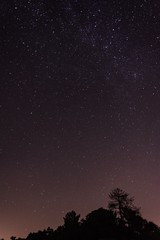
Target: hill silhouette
[(121, 220)]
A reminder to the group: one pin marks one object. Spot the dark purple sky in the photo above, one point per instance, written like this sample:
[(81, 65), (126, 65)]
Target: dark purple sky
[(79, 108)]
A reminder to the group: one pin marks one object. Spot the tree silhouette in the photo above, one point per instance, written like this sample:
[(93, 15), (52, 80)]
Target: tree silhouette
[(151, 230), (121, 203), (41, 235), (71, 219), (121, 221), (71, 225), (13, 238), (99, 223)]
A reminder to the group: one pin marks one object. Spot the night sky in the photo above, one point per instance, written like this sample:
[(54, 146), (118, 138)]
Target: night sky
[(79, 108)]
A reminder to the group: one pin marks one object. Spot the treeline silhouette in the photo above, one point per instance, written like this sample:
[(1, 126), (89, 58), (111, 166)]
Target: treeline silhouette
[(121, 220)]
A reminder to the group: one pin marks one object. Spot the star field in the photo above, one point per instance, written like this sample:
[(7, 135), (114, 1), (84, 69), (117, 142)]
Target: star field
[(79, 108)]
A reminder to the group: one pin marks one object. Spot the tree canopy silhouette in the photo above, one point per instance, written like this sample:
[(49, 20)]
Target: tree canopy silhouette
[(121, 220), (71, 220), (121, 203)]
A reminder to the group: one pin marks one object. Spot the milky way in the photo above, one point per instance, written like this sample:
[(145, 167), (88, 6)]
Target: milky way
[(79, 108)]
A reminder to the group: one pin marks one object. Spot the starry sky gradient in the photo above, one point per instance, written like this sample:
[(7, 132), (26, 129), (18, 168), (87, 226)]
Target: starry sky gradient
[(79, 108)]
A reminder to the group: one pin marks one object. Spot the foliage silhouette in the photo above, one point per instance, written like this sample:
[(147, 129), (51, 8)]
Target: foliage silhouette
[(71, 225), (71, 220), (122, 204), (99, 223), (122, 220)]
